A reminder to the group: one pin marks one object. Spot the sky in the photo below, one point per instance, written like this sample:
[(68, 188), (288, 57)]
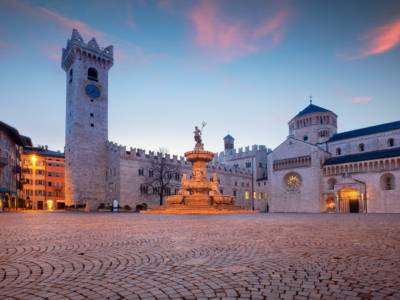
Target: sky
[(244, 67)]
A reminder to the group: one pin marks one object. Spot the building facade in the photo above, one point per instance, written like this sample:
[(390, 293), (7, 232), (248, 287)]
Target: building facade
[(11, 145), (44, 180), (315, 169), (99, 172)]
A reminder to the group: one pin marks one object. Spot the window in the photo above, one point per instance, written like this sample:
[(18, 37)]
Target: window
[(248, 164), (151, 173), (144, 189), (91, 125), (391, 142), (234, 193), (254, 195), (141, 172), (92, 115), (305, 138), (338, 151), (247, 195), (361, 147), (292, 181), (260, 165), (70, 75), (387, 182), (92, 74), (331, 183)]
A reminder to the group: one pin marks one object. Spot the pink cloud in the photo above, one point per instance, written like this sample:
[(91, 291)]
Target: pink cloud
[(382, 39), (361, 99), (127, 52), (68, 23), (378, 40), (46, 14), (233, 38)]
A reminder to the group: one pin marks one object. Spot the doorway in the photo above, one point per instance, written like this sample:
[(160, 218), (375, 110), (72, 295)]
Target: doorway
[(40, 205), (354, 206), (350, 200)]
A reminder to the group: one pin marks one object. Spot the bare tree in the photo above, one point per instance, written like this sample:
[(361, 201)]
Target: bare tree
[(163, 175)]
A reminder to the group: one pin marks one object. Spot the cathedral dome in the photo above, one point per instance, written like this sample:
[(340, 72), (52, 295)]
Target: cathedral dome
[(314, 124), (311, 109)]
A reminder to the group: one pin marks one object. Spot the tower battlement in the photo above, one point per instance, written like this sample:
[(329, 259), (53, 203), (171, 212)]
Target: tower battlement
[(90, 51), (241, 152), (126, 153)]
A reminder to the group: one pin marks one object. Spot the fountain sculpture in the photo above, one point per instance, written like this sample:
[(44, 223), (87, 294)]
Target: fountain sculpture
[(198, 194)]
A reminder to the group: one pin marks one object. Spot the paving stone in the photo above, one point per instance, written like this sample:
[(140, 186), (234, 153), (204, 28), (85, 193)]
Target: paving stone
[(133, 256)]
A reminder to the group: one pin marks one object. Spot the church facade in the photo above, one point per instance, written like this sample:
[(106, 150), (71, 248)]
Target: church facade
[(316, 169)]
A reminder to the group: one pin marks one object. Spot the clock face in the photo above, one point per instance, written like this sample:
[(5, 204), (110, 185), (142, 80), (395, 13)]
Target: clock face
[(92, 91)]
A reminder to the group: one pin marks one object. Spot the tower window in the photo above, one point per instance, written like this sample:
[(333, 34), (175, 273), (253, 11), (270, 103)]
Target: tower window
[(361, 147), (92, 115), (391, 142), (91, 125), (70, 75), (92, 74), (338, 151), (305, 138)]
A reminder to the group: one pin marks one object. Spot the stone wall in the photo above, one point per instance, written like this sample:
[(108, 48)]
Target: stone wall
[(371, 142)]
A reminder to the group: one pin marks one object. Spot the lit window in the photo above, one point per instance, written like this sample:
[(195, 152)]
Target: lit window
[(247, 195), (254, 195)]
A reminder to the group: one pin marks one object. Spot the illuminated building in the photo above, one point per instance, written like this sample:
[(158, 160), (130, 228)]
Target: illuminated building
[(43, 177)]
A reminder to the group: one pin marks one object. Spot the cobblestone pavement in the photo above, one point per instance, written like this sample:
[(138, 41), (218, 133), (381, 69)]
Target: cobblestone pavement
[(115, 256)]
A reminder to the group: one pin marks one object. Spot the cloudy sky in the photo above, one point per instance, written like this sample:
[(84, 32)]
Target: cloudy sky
[(244, 67)]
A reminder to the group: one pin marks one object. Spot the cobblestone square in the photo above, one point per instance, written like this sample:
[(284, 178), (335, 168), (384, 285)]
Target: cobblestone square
[(264, 256)]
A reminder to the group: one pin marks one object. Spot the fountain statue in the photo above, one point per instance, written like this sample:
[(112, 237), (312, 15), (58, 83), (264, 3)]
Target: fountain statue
[(198, 194)]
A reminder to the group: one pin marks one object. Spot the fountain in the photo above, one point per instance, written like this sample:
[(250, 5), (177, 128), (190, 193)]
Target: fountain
[(198, 194)]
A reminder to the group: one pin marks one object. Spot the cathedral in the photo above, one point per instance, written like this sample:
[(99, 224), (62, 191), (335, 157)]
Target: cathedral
[(316, 169)]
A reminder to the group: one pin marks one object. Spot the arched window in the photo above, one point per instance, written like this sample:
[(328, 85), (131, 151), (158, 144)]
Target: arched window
[(391, 142), (338, 151), (387, 182), (92, 74), (71, 73), (331, 183), (361, 147)]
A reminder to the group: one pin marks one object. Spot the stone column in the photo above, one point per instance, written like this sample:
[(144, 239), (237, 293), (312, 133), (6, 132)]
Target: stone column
[(337, 203)]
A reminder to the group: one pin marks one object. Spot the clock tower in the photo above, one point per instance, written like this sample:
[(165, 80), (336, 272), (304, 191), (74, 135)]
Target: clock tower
[(86, 132)]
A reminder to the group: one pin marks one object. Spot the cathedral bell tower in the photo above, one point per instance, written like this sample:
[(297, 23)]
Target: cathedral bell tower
[(86, 132)]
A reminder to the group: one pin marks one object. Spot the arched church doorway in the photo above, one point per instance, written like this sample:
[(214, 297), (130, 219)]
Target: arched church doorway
[(350, 200)]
